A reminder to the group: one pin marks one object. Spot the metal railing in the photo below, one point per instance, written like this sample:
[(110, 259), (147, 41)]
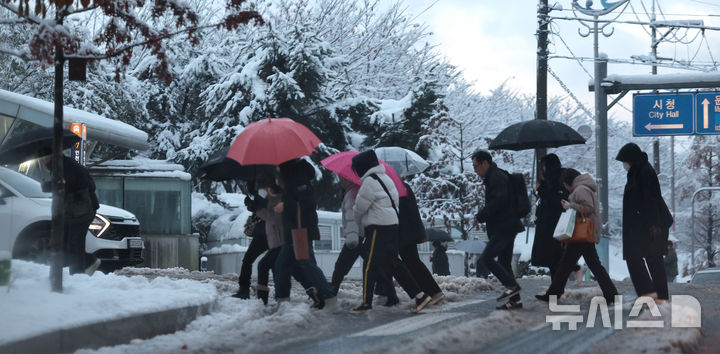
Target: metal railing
[(692, 222)]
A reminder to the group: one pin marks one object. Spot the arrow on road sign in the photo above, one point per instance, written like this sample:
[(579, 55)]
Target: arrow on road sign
[(705, 104), (663, 126)]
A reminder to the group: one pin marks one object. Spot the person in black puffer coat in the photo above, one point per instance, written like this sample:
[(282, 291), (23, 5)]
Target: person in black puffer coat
[(646, 223), (546, 250), (295, 179)]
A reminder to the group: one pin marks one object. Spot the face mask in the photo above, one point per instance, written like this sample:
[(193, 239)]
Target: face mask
[(263, 194), (626, 166)]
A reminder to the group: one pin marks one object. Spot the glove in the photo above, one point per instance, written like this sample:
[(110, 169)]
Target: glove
[(352, 240), (250, 204)]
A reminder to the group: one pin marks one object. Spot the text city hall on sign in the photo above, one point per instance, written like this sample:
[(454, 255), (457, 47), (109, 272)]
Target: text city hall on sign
[(681, 113)]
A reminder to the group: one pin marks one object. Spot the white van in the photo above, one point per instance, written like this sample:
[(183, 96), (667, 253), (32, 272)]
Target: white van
[(25, 219)]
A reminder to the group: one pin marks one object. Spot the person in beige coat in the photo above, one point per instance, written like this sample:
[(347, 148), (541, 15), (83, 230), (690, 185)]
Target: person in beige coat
[(583, 199)]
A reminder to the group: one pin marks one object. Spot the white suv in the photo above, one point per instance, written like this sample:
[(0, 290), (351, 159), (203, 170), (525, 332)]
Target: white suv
[(25, 216)]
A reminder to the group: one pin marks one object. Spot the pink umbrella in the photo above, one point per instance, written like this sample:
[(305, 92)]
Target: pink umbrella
[(341, 163)]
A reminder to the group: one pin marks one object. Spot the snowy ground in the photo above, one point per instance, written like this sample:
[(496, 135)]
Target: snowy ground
[(32, 308)]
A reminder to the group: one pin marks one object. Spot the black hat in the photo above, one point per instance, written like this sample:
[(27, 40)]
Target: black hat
[(631, 153), (364, 161)]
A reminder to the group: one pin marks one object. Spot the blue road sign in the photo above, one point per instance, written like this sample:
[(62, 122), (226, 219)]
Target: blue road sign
[(707, 112), (663, 114)]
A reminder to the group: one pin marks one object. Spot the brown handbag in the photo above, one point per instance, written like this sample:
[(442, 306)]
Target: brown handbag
[(300, 239), (584, 229)]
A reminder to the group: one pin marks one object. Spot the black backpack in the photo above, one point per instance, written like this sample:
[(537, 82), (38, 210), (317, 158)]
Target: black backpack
[(521, 201)]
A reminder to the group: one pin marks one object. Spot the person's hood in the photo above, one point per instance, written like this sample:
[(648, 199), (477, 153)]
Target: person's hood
[(553, 168), (364, 161), (631, 153), (379, 169), (585, 180), (302, 171)]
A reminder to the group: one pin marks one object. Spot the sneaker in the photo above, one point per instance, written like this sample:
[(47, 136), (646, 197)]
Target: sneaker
[(420, 303), (436, 298), (392, 301), (243, 292), (361, 309), (93, 267), (510, 305), (508, 293)]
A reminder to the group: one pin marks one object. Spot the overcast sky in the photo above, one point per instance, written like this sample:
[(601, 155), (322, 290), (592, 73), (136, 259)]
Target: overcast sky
[(494, 40)]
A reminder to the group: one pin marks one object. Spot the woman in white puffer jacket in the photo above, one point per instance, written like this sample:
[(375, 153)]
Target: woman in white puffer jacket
[(376, 209)]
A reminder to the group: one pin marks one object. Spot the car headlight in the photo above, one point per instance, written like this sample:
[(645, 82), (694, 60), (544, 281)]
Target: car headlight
[(99, 225)]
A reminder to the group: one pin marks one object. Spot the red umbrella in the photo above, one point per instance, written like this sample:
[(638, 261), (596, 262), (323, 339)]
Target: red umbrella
[(272, 141), (341, 163)]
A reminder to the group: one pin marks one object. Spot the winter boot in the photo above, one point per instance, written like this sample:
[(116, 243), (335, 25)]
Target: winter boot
[(243, 292), (262, 293), (318, 303)]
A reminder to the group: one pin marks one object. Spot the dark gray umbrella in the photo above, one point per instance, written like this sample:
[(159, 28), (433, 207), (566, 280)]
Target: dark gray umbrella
[(27, 145), (438, 235), (218, 167), (534, 134)]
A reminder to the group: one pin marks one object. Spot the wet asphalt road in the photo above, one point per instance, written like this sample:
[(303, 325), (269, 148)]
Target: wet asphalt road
[(379, 331)]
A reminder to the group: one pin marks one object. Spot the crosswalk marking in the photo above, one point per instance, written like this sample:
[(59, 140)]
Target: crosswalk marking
[(408, 324)]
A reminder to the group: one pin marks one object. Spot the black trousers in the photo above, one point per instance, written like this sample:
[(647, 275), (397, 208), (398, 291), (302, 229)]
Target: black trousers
[(75, 257), (258, 245), (423, 277), (266, 264), (567, 265), (381, 241), (344, 263), (654, 282), (500, 247), (347, 257)]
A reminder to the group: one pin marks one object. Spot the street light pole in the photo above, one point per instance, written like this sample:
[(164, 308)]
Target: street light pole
[(601, 129)]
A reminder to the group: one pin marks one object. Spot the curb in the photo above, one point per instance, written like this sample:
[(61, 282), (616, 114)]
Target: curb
[(115, 332)]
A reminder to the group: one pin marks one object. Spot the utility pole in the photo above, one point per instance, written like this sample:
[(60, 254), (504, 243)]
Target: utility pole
[(542, 60), (653, 47)]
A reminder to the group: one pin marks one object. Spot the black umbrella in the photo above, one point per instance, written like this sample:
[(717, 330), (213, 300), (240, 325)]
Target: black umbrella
[(218, 167), (27, 145), (534, 134), (438, 235)]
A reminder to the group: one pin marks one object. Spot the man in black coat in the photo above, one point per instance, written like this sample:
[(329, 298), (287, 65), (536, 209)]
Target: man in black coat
[(646, 223), (78, 211), (502, 224)]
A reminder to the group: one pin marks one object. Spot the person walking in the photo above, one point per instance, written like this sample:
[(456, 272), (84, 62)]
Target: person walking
[(546, 250), (439, 259), (646, 224), (273, 233), (298, 197), (502, 226), (376, 210), (258, 244), (78, 212), (412, 232), (351, 231), (583, 199), (671, 270)]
